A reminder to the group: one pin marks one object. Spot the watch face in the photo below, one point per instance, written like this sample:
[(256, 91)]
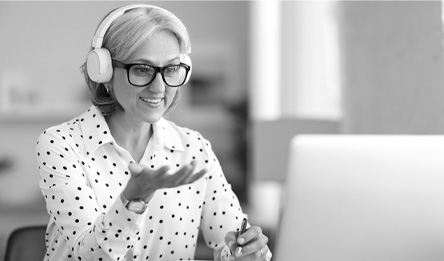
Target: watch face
[(136, 206)]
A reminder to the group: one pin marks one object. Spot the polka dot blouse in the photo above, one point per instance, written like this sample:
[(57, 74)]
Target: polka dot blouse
[(83, 171)]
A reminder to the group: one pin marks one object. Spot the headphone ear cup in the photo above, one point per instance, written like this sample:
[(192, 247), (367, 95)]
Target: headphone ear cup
[(188, 62), (99, 65)]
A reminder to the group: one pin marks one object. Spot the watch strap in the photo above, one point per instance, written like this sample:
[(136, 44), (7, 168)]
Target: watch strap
[(127, 203)]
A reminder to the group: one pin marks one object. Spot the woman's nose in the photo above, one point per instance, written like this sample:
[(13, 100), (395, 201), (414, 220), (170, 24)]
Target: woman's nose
[(157, 85)]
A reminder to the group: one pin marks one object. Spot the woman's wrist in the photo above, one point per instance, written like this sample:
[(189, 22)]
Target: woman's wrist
[(130, 195), (131, 192)]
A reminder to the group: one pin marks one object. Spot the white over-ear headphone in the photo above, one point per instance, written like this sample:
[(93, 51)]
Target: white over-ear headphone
[(98, 63)]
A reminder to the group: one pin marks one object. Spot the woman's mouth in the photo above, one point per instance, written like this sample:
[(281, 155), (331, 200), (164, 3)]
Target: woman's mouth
[(152, 101)]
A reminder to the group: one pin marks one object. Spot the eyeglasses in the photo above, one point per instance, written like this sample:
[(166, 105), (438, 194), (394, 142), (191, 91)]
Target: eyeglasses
[(141, 75)]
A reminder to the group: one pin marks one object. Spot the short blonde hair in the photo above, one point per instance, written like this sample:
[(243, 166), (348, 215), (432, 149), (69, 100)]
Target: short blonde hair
[(125, 35)]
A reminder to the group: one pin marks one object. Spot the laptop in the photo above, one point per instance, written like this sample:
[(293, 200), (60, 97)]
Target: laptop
[(363, 197)]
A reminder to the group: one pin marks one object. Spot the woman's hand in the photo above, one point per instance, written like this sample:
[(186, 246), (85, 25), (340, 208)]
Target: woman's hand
[(251, 245), (145, 181)]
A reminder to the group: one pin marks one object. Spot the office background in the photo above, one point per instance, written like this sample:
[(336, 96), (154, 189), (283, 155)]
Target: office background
[(262, 72)]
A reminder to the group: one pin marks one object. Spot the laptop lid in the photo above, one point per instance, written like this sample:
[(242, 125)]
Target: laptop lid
[(363, 197)]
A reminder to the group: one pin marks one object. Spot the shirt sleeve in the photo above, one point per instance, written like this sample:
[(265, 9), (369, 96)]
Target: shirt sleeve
[(91, 232), (221, 211)]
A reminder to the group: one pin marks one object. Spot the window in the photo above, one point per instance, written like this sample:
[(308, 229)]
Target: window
[(295, 70)]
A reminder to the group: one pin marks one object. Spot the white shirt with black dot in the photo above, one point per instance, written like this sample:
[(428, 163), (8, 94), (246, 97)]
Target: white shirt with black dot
[(83, 171)]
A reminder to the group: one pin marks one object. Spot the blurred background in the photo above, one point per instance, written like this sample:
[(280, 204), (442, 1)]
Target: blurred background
[(263, 71)]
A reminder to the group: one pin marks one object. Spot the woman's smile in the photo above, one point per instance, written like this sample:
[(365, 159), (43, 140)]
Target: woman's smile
[(153, 102)]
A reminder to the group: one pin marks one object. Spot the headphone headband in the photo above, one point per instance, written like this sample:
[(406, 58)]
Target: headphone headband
[(106, 23)]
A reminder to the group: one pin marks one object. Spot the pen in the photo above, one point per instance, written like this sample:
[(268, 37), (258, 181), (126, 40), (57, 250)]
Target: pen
[(241, 231)]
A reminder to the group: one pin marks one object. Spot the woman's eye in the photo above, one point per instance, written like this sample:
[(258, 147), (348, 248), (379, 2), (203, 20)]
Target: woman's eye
[(171, 69), (141, 70)]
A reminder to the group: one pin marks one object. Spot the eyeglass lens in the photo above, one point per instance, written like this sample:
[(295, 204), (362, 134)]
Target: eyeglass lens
[(141, 75)]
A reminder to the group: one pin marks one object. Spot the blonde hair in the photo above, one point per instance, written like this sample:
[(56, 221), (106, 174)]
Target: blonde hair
[(125, 35)]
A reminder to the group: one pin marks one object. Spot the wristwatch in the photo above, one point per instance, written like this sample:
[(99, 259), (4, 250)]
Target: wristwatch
[(137, 206)]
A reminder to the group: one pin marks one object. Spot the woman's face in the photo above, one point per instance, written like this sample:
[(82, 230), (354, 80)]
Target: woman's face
[(149, 103)]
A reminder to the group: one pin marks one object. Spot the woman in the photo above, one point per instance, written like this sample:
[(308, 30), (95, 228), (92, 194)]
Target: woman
[(121, 182)]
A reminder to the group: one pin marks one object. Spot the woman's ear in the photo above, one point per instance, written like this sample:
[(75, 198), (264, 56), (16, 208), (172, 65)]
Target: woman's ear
[(108, 87)]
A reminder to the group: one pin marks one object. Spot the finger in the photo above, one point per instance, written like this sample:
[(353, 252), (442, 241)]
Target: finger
[(189, 177), (135, 168), (253, 241), (161, 172), (254, 247), (197, 176), (252, 233), (193, 177), (180, 177), (230, 240), (262, 254)]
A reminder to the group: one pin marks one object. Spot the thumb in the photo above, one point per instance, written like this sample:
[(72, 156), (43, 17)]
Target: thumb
[(135, 168), (230, 240)]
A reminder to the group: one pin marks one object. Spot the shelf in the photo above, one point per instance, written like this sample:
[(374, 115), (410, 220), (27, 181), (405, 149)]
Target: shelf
[(41, 113)]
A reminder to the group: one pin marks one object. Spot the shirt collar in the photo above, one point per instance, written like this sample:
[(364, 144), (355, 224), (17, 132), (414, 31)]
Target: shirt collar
[(164, 135), (96, 132)]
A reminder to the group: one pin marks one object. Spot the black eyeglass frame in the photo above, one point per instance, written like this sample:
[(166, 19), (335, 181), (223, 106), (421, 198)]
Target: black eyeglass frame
[(156, 71)]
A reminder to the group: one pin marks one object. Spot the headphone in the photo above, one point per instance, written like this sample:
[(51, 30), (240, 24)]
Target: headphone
[(98, 62)]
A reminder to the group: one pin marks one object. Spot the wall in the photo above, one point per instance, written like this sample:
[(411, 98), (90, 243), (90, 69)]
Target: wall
[(271, 140), (392, 67)]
